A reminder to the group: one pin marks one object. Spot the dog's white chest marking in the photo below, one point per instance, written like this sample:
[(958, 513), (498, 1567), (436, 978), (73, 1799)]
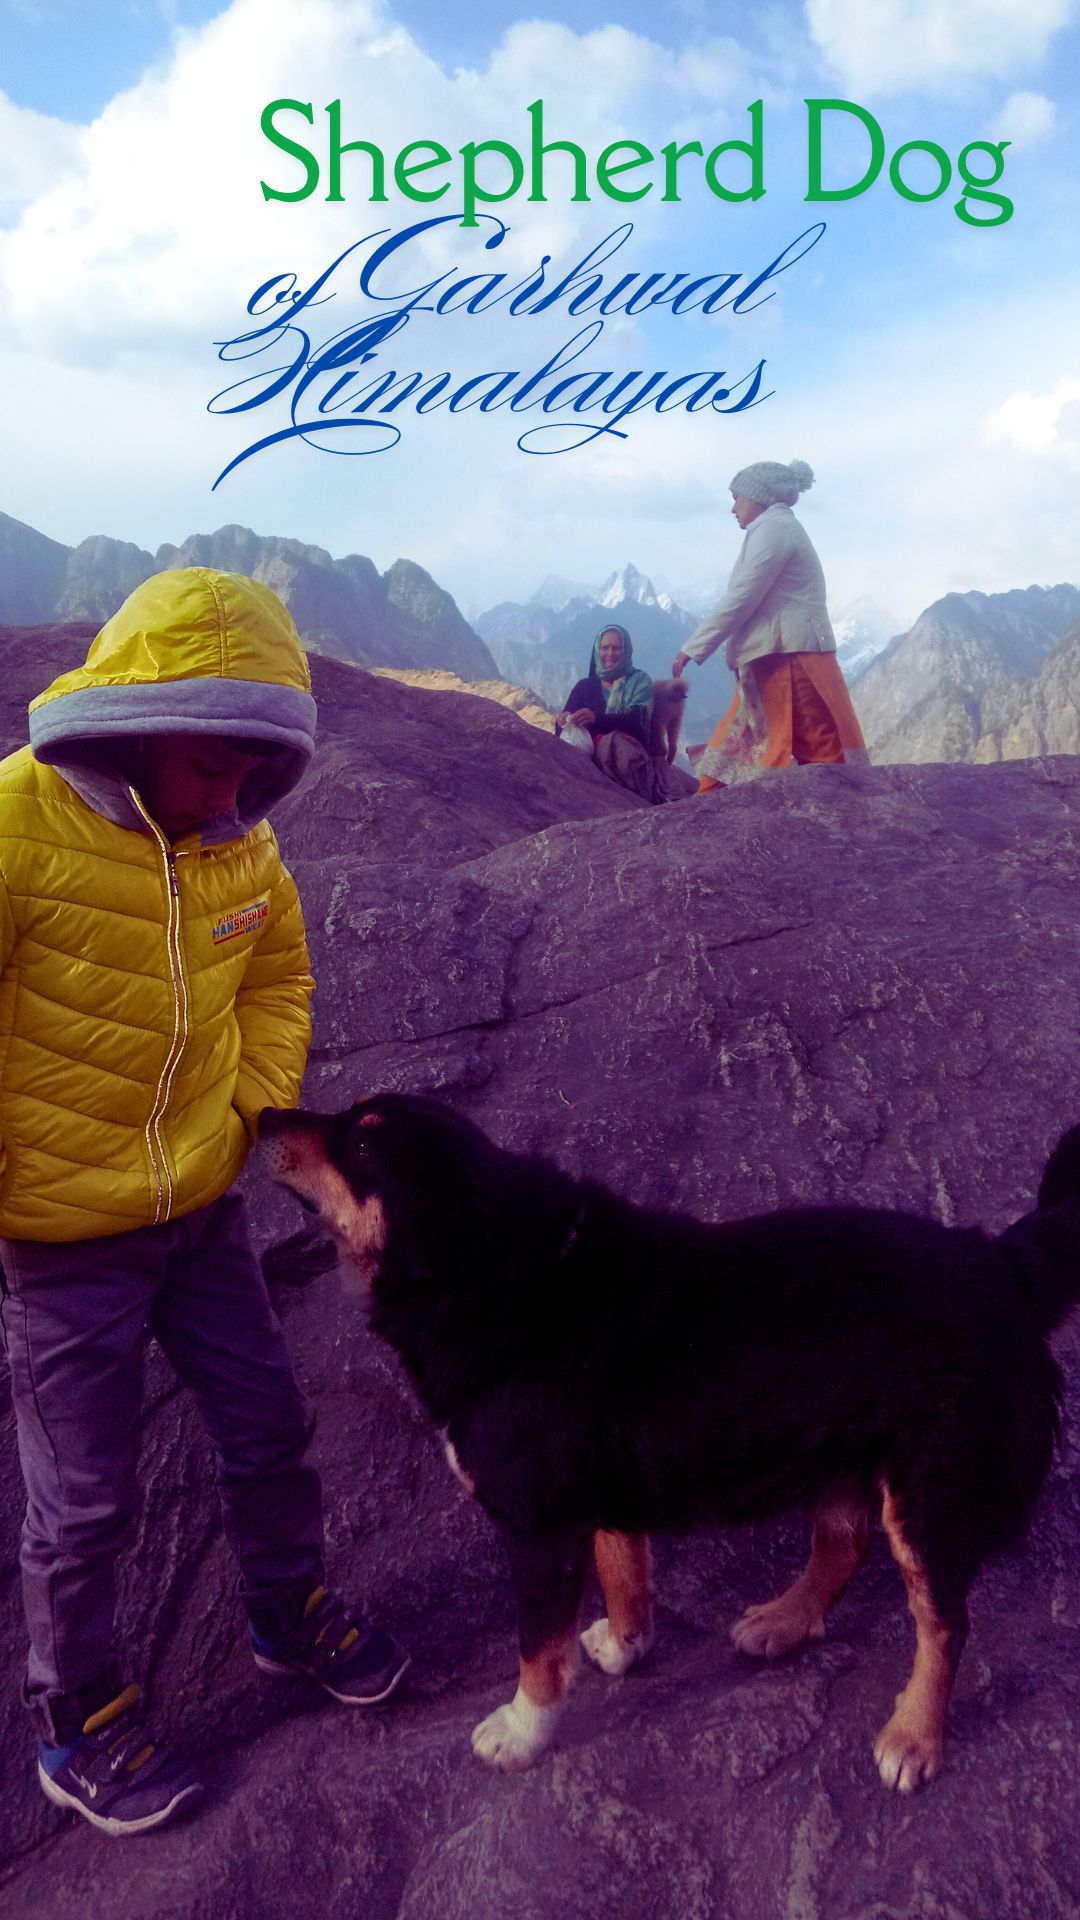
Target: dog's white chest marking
[(455, 1465)]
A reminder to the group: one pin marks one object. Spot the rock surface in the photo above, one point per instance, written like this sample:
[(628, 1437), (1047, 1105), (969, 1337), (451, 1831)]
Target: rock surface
[(838, 983), (438, 680)]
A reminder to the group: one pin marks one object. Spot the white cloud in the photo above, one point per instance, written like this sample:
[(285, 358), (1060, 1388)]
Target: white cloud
[(35, 153), (1025, 119), (162, 227), (122, 271), (1040, 427), (891, 46)]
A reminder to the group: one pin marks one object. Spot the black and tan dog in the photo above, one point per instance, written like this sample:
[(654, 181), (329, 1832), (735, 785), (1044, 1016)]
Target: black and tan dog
[(599, 1370)]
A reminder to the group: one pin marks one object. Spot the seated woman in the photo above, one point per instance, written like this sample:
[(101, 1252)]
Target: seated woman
[(614, 697), (609, 711)]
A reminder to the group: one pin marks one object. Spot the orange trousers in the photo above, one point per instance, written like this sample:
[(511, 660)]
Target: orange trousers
[(808, 714)]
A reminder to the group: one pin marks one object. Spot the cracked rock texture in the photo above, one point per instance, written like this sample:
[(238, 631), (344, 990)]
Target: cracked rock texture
[(834, 984)]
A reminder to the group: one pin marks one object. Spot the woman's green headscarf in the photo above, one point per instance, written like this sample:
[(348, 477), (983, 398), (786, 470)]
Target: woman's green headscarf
[(630, 687)]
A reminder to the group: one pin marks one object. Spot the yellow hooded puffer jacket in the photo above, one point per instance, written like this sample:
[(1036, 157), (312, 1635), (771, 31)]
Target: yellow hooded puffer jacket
[(153, 998)]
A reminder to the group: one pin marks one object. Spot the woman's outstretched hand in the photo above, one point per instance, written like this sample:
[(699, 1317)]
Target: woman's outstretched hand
[(681, 661)]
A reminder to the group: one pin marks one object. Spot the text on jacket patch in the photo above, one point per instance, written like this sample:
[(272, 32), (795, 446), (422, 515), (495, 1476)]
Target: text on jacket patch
[(241, 920)]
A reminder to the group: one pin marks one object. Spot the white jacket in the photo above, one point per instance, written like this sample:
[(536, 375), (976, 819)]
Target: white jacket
[(775, 599)]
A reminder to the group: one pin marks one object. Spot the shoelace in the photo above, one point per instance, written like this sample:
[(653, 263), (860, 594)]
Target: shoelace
[(121, 1746), (327, 1629)]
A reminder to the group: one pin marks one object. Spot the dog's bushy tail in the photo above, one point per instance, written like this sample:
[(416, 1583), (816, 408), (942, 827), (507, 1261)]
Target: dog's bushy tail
[(1045, 1245)]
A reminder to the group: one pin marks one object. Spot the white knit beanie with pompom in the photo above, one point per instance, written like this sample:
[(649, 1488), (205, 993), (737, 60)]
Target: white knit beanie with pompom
[(770, 483)]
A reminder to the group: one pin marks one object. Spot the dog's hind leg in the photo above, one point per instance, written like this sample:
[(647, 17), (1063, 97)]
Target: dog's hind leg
[(549, 1580), (837, 1546), (625, 1635), (909, 1748)]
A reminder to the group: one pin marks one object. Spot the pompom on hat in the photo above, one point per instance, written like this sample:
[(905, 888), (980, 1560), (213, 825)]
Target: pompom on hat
[(770, 483)]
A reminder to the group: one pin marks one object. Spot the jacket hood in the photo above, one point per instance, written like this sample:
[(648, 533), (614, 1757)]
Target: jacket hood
[(190, 651)]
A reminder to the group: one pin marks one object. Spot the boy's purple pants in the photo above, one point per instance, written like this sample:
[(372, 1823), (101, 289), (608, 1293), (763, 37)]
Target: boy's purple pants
[(74, 1320)]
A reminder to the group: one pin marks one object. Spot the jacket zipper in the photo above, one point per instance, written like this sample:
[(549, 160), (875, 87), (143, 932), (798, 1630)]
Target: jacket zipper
[(154, 1142)]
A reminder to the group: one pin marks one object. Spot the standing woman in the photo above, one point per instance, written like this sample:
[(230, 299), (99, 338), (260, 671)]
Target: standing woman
[(791, 703)]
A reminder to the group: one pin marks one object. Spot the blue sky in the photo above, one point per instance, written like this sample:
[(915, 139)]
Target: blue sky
[(928, 371), (70, 57)]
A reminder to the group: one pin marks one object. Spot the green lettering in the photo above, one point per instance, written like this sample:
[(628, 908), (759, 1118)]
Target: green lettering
[(605, 167), (404, 169), (339, 147), (293, 147), (977, 189), (754, 148), (473, 191), (944, 166), (672, 155), (815, 109), (536, 115)]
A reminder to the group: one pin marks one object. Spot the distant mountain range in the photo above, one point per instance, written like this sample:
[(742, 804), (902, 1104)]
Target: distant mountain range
[(974, 669), (346, 608), (544, 642), (977, 677)]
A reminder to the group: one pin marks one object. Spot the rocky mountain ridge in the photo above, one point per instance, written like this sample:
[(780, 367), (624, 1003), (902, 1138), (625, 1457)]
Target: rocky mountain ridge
[(345, 608), (1019, 719), (920, 699)]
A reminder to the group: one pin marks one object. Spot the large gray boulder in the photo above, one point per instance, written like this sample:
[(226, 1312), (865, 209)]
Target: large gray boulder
[(834, 984)]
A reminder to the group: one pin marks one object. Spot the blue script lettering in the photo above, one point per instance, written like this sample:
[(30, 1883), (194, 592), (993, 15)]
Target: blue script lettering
[(339, 392)]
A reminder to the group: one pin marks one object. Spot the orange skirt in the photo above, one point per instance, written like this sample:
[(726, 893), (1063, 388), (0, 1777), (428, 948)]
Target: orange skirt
[(789, 707)]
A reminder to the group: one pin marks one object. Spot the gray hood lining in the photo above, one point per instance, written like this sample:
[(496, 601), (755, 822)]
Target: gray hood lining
[(74, 733)]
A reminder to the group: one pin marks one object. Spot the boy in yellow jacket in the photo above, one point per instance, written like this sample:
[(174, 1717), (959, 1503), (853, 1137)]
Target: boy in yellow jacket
[(154, 990)]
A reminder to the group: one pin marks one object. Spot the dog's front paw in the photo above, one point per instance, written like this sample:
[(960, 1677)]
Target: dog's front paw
[(515, 1735), (612, 1652), (906, 1755), (775, 1627)]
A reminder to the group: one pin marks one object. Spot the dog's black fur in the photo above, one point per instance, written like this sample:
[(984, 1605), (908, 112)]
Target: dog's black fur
[(603, 1368)]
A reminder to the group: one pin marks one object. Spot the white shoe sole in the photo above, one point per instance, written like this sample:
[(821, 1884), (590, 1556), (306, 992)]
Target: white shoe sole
[(116, 1827), (278, 1667)]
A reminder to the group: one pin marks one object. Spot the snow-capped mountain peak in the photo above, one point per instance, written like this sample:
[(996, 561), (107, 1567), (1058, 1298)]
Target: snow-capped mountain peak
[(863, 630), (629, 584)]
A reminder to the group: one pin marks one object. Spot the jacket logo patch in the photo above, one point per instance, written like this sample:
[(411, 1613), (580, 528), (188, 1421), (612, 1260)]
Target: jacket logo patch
[(240, 920)]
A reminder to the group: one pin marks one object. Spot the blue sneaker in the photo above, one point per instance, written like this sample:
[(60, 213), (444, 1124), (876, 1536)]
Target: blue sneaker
[(114, 1776), (355, 1663)]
